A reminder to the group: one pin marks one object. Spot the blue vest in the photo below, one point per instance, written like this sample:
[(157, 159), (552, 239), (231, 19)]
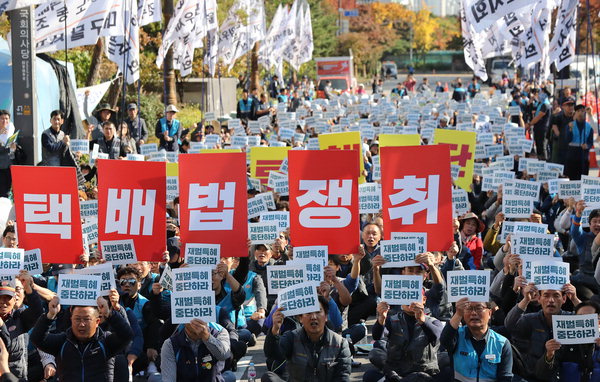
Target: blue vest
[(245, 106), (577, 136), (246, 310), (137, 310), (174, 126), (468, 367)]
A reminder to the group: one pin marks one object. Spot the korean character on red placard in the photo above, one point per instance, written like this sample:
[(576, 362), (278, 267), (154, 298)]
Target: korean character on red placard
[(423, 192), (118, 216), (204, 199), (47, 213), (333, 198)]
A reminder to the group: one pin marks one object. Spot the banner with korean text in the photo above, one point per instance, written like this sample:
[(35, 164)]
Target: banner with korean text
[(418, 196), (263, 160), (349, 140), (462, 152), (324, 199), (47, 212), (132, 205), (214, 202)]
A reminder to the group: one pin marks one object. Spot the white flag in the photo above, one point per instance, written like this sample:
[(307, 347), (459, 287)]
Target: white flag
[(265, 56), (237, 36), (123, 48), (472, 46), (307, 43), (149, 11), (180, 26), (9, 5), (562, 46), (483, 13), (85, 23)]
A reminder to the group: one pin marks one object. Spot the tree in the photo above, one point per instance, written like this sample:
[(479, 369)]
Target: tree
[(168, 71), (424, 29)]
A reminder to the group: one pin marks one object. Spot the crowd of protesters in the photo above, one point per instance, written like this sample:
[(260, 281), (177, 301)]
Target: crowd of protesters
[(129, 333)]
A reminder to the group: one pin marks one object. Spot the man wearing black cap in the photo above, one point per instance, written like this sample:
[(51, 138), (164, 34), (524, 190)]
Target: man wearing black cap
[(15, 323), (560, 122), (137, 125)]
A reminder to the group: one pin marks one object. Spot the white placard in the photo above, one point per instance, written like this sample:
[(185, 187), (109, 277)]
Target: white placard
[(532, 244), (119, 251), (508, 228), (105, 272), (32, 261), (202, 255), (529, 228), (269, 199), (88, 209), (256, 206), (282, 218), (549, 274), (369, 198), (318, 252), (401, 290), (460, 202), (494, 151), (299, 299), (590, 189), (472, 284), (575, 329), (186, 306), (313, 267), (11, 261), (192, 279), (421, 237), (263, 233), (401, 252), (148, 148), (136, 157), (283, 276), (79, 290), (80, 146), (90, 231), (166, 278), (554, 185), (569, 189), (172, 188), (158, 156)]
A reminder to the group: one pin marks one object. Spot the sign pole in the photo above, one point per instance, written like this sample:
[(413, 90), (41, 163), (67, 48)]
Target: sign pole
[(23, 81)]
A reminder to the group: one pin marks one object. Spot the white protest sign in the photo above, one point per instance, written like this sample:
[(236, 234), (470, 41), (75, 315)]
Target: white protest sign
[(263, 233), (508, 228), (299, 299), (105, 272), (528, 228), (192, 279), (282, 276), (148, 148), (494, 151), (313, 267), (172, 188), (515, 206), (570, 189), (472, 284), (532, 244), (88, 209), (318, 252), (32, 261), (186, 306), (460, 202), (376, 167), (166, 279), (549, 274), (401, 252), (136, 157), (590, 189), (80, 146), (269, 199), (158, 156), (282, 218), (254, 183), (369, 198), (401, 290), (11, 261), (79, 290), (90, 231), (554, 185), (256, 206), (119, 251), (575, 329), (421, 238), (202, 255)]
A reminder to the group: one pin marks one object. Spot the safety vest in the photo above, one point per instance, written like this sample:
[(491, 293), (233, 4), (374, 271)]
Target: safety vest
[(249, 306), (137, 310), (245, 106), (580, 136), (174, 126), (468, 367)]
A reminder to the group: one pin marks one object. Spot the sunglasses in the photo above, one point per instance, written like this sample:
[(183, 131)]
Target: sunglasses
[(127, 281)]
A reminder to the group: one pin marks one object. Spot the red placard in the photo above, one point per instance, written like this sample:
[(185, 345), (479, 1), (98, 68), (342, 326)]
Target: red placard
[(47, 211), (417, 193), (324, 199), (132, 204), (213, 200)]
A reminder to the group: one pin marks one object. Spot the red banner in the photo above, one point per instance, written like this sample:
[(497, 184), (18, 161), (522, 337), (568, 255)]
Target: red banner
[(132, 204), (47, 211), (417, 193), (324, 199), (213, 200)]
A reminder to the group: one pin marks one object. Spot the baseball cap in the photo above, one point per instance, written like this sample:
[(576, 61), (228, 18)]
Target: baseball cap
[(57, 269), (7, 288), (569, 100), (267, 246), (132, 106), (172, 108)]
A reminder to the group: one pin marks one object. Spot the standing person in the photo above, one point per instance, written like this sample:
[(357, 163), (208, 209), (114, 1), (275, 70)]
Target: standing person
[(328, 90), (477, 353), (410, 83), (110, 143), (83, 351), (424, 86), (137, 125), (439, 88), (474, 88), (7, 154), (539, 122), (104, 113), (580, 136), (313, 352), (128, 142), (168, 130), (459, 94), (55, 142), (560, 123), (245, 105), (274, 87)]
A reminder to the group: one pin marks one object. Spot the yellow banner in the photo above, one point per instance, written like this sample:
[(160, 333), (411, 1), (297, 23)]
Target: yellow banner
[(386, 140), (349, 140), (263, 160), (172, 169), (462, 153)]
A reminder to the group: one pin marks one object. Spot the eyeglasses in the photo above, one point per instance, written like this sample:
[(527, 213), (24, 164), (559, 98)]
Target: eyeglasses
[(18, 289), (127, 281), (475, 308), (81, 320)]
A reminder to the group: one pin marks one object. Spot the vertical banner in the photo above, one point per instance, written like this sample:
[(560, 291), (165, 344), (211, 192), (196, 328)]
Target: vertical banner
[(418, 198), (324, 199), (462, 152), (263, 160), (132, 205), (214, 202), (47, 211), (349, 140)]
